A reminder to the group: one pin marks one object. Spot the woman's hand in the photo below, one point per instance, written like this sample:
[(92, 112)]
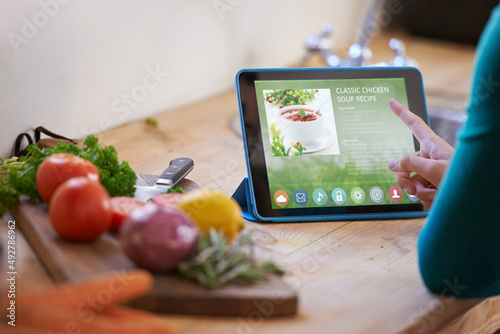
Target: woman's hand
[(87, 307), (429, 163)]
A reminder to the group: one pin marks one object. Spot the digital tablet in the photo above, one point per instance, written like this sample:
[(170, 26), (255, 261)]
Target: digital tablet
[(318, 142)]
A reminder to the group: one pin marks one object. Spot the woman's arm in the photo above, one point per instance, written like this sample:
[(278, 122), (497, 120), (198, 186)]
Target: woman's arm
[(459, 246)]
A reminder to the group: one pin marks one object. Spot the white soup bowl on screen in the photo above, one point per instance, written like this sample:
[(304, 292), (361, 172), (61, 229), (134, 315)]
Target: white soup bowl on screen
[(301, 123)]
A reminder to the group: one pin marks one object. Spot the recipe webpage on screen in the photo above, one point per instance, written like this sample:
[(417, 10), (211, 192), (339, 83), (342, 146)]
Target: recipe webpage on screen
[(328, 142)]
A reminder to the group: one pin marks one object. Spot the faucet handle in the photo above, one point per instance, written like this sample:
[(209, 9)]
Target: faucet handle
[(359, 55), (327, 29), (400, 56), (322, 44), (398, 47)]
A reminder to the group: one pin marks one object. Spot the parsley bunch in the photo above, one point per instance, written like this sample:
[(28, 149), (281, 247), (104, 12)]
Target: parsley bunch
[(20, 174)]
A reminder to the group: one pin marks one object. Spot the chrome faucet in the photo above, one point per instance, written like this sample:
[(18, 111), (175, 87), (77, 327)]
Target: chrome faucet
[(359, 53)]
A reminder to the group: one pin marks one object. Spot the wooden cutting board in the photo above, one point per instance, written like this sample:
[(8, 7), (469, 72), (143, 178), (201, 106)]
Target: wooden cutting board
[(69, 261)]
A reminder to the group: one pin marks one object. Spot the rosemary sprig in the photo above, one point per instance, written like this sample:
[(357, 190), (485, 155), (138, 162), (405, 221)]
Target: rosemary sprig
[(219, 262)]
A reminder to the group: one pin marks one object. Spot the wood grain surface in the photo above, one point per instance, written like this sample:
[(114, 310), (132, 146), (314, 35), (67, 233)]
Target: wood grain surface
[(70, 261), (351, 277)]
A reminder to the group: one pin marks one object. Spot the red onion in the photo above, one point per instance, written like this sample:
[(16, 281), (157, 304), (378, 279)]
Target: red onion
[(158, 238)]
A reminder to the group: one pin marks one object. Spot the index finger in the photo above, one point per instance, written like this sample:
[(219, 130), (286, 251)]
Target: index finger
[(417, 126)]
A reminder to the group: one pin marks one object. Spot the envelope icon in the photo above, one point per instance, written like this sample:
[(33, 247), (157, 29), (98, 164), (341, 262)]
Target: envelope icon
[(300, 197)]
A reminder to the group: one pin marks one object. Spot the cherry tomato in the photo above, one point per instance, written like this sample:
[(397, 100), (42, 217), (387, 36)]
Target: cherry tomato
[(59, 167), (121, 206), (80, 209), (168, 200)]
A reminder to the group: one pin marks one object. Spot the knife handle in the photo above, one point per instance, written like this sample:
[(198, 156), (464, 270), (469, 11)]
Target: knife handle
[(175, 172)]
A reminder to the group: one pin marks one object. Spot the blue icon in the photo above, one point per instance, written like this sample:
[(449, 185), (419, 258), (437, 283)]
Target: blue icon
[(339, 196), (300, 197), (412, 198)]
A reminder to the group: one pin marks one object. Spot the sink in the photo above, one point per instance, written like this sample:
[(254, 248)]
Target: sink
[(446, 123)]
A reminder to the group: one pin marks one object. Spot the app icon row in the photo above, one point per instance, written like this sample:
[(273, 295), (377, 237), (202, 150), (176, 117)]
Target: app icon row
[(339, 196)]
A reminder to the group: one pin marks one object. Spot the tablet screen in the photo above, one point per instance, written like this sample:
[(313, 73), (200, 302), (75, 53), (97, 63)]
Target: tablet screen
[(327, 142)]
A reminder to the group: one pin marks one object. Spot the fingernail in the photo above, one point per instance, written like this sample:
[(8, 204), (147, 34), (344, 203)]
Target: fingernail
[(392, 164)]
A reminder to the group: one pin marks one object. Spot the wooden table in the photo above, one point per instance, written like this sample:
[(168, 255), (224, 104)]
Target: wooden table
[(351, 276)]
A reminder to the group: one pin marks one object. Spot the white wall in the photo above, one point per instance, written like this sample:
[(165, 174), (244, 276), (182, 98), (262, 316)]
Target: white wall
[(83, 66)]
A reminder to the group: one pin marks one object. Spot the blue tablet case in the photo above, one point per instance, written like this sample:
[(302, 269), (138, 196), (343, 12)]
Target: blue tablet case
[(244, 195)]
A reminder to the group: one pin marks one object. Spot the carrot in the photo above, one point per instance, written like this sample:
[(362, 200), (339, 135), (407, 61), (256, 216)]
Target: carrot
[(116, 287), (57, 323), (89, 307)]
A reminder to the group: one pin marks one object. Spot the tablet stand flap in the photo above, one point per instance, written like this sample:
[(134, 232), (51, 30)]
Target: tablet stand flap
[(242, 196)]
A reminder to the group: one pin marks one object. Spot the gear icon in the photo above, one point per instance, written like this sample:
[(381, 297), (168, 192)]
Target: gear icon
[(358, 195)]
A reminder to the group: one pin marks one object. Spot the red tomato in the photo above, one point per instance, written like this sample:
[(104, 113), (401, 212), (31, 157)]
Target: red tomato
[(80, 209), (121, 206), (168, 200), (59, 167)]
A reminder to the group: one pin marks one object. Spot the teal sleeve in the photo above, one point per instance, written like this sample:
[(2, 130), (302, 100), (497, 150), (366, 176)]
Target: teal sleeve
[(459, 245)]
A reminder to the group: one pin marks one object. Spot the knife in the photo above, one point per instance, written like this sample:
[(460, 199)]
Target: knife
[(173, 175)]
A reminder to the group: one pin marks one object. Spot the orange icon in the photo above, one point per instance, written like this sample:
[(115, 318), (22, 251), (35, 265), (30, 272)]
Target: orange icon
[(281, 198)]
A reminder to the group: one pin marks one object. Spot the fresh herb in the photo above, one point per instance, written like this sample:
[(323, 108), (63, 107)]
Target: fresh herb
[(303, 114), (151, 121), (288, 97), (176, 190), (9, 196), (298, 146), (219, 262), (6, 163), (20, 174), (278, 148)]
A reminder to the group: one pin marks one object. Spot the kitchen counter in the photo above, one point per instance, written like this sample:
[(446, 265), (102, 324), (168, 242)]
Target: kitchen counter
[(351, 276)]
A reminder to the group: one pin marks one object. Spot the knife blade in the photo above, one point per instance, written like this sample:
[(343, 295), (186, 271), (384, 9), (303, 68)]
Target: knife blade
[(173, 175)]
